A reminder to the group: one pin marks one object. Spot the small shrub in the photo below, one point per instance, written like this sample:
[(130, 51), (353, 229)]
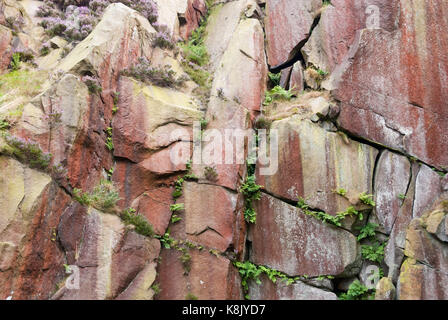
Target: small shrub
[(251, 191), (374, 253), (342, 192), (277, 94), (45, 49), (162, 77), (357, 291), (368, 231), (210, 174), (163, 39), (92, 83), (142, 226), (262, 123), (367, 199), (4, 124), (28, 152), (156, 288), (185, 259), (274, 78), (190, 296)]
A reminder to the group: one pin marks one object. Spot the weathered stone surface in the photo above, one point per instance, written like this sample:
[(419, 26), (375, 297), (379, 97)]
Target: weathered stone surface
[(288, 23), (5, 48), (140, 288), (389, 93), (227, 124), (121, 37), (209, 215), (300, 244), (221, 26), (210, 277), (148, 119), (111, 259), (393, 173), (242, 72), (33, 236), (195, 11), (385, 290), (332, 38), (268, 290), (419, 282), (425, 248), (428, 187), (319, 163), (296, 81)]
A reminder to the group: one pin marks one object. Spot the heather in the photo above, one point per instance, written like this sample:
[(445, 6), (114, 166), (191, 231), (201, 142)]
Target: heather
[(75, 19)]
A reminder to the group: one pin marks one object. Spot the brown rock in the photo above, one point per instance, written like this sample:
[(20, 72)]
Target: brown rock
[(292, 19), (268, 290), (314, 163), (393, 173), (5, 48), (210, 277), (419, 282), (385, 93), (300, 244)]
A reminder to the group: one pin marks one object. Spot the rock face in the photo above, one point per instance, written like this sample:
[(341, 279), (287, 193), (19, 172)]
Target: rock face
[(127, 165), (295, 252), (392, 108), (293, 21)]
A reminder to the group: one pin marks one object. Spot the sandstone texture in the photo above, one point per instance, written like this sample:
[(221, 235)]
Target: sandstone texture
[(223, 150)]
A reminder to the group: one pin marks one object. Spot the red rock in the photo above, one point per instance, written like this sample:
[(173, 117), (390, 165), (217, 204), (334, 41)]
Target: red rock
[(209, 215), (279, 290), (390, 94), (299, 244), (41, 266), (130, 257), (393, 173), (332, 38), (5, 48), (210, 277), (296, 81), (196, 10), (292, 19)]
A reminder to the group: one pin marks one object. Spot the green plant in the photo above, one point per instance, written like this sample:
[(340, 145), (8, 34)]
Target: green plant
[(277, 94), (210, 174), (27, 151), (185, 259), (177, 207), (190, 296), (402, 196), (250, 271), (15, 62), (4, 124), (166, 240), (357, 291), (251, 191), (203, 123), (274, 78), (368, 231), (156, 288), (374, 253), (142, 226), (342, 192), (262, 123), (103, 197), (367, 199), (82, 198), (178, 188), (327, 218)]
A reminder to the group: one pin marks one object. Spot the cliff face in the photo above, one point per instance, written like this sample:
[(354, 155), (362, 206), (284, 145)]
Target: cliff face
[(110, 111)]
